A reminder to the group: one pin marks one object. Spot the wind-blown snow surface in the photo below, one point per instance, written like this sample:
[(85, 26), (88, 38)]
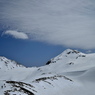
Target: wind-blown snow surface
[(70, 73)]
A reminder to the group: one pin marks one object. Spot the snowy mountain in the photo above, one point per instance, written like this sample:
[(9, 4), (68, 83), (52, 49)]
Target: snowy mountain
[(70, 73)]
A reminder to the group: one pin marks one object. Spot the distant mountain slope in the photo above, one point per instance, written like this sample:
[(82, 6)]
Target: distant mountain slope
[(70, 73)]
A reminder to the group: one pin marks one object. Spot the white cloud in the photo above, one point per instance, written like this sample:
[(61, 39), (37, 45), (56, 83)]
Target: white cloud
[(62, 22), (16, 34)]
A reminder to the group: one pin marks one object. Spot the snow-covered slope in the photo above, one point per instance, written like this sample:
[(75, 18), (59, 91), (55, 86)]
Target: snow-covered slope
[(70, 73)]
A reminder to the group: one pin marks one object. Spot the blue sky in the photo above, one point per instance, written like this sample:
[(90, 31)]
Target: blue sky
[(32, 32)]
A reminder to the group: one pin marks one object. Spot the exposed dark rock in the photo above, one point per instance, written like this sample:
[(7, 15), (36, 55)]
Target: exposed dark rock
[(51, 78), (19, 83), (19, 87), (48, 62), (71, 63), (73, 51)]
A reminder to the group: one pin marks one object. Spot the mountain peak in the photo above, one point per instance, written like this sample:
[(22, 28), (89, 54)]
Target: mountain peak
[(7, 64), (69, 51)]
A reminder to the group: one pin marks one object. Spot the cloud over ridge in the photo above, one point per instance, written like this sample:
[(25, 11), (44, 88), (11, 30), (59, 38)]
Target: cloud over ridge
[(61, 22)]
